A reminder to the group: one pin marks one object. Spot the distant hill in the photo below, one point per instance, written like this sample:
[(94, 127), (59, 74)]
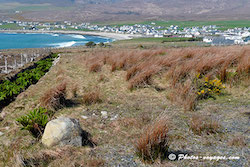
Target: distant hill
[(129, 10)]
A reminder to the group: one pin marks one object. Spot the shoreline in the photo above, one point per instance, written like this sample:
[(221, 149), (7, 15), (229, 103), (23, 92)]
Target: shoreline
[(94, 33)]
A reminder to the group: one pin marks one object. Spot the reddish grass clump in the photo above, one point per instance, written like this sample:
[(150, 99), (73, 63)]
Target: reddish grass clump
[(55, 98), (153, 142), (201, 124), (92, 97), (177, 63), (141, 80), (229, 64), (96, 67), (185, 95)]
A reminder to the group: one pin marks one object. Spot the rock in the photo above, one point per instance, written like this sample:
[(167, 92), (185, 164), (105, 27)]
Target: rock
[(63, 131), (104, 114), (1, 133), (84, 117), (114, 118)]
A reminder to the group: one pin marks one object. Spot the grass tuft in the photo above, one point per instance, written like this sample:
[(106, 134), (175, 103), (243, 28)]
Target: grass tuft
[(55, 98), (203, 125), (153, 142), (237, 141), (92, 97), (96, 67)]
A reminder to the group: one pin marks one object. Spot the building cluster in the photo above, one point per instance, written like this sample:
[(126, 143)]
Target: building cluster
[(211, 34)]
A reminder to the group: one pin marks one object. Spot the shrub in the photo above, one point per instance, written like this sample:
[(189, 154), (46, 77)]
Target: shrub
[(101, 44), (209, 88), (35, 121), (153, 142), (201, 124), (92, 97), (55, 98), (90, 44)]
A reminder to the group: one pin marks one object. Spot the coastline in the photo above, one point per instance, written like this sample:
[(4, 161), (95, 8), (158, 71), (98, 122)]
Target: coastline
[(94, 33)]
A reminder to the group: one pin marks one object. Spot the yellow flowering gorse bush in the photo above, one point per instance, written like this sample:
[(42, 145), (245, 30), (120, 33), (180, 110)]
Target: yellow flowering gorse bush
[(208, 88)]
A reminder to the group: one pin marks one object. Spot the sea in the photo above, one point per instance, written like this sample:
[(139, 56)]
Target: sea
[(49, 40)]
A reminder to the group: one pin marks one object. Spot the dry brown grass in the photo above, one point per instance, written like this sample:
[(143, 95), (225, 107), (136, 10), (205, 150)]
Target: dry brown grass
[(92, 97), (229, 64), (184, 94), (54, 98), (94, 162), (237, 141), (73, 89), (177, 63), (154, 141), (53, 157), (95, 67), (203, 125)]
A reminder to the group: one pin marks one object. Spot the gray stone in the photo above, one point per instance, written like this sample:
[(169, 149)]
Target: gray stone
[(114, 118), (84, 117), (62, 131), (104, 114)]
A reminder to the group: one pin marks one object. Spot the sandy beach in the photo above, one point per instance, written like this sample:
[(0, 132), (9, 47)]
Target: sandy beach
[(97, 33)]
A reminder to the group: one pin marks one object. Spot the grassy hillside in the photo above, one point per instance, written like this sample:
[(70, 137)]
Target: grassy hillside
[(10, 26), (160, 42), (158, 101), (224, 25)]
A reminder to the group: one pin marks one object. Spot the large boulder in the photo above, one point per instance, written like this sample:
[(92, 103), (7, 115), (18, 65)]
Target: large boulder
[(63, 131)]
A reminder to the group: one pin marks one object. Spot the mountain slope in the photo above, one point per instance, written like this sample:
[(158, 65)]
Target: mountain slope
[(115, 10)]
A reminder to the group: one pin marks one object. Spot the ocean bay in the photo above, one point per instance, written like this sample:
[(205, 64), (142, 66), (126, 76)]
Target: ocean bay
[(46, 40)]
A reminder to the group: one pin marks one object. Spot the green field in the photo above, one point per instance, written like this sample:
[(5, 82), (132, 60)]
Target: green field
[(160, 42), (10, 26), (222, 24), (72, 29), (164, 40)]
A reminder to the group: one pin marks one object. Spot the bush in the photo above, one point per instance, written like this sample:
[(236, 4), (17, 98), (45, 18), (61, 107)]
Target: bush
[(55, 98), (90, 44), (209, 88), (35, 121), (154, 142), (101, 44)]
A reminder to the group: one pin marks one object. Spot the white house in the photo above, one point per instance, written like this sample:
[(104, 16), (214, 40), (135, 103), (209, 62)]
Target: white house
[(207, 39)]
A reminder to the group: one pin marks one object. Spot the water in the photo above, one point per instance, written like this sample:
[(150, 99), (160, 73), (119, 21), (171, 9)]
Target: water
[(19, 40)]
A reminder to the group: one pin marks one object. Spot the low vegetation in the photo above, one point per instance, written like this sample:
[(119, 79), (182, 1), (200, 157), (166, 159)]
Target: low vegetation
[(201, 124), (154, 141), (90, 44), (35, 121), (209, 88), (11, 88), (238, 141), (55, 98), (92, 97), (211, 65), (138, 104)]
